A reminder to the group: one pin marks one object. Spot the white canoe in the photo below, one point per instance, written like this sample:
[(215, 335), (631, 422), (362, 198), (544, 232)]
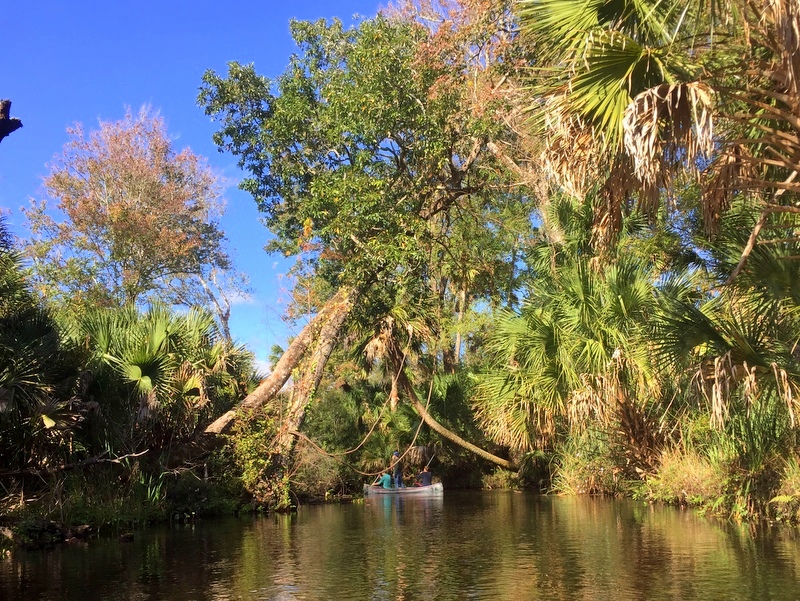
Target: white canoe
[(411, 491)]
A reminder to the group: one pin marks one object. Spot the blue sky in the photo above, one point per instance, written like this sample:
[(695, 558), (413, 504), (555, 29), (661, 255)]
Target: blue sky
[(80, 61)]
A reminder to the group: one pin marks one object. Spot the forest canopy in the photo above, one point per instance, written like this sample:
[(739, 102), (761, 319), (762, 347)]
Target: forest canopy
[(543, 242)]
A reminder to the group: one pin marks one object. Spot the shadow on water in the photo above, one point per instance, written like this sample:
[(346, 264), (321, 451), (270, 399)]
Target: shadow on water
[(466, 545)]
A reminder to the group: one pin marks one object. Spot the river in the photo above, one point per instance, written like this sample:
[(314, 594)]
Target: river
[(467, 545)]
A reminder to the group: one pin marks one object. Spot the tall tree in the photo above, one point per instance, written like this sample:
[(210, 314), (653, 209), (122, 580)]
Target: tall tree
[(358, 154), (575, 353), (140, 219)]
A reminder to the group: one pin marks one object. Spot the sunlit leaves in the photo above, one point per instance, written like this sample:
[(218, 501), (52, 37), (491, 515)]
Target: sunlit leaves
[(138, 216), (353, 148), (578, 346)]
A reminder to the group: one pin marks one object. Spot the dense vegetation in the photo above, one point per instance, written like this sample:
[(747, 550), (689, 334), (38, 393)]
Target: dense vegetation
[(550, 244)]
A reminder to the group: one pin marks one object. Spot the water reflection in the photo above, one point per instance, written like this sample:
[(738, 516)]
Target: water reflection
[(497, 545)]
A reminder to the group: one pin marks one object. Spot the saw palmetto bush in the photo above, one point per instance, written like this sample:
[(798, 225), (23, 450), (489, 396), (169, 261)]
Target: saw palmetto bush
[(157, 375), (576, 354), (734, 347), (38, 375)]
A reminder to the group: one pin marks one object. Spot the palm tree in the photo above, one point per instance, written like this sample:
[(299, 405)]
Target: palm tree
[(630, 93), (732, 350), (575, 353), (158, 375), (739, 340)]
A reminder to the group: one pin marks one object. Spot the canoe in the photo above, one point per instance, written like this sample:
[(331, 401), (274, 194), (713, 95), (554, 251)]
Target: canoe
[(410, 491)]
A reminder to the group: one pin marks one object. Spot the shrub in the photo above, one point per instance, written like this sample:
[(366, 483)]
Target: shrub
[(785, 506), (585, 464), (686, 478)]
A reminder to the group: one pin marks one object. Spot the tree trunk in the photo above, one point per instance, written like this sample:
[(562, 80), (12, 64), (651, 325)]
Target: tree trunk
[(335, 310), (440, 429), (304, 390)]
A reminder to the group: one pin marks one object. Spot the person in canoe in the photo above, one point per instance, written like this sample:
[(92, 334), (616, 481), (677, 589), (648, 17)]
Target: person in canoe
[(424, 477), (397, 468), (384, 480)]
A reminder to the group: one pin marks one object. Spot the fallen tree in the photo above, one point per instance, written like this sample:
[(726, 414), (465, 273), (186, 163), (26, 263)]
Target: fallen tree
[(322, 329)]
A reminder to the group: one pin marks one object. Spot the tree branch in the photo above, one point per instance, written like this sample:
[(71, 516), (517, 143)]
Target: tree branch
[(7, 124)]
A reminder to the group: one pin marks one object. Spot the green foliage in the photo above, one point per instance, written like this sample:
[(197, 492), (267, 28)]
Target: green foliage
[(686, 478), (501, 479), (113, 383), (190, 495), (586, 464), (332, 421), (316, 475), (576, 348), (37, 374), (248, 458), (785, 506), (156, 375), (355, 148)]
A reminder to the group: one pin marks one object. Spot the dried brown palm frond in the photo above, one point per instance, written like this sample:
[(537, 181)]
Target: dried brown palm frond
[(763, 162), (570, 156), (619, 186), (513, 427), (587, 404), (382, 341), (605, 400), (148, 406), (667, 127), (787, 390), (779, 21), (577, 159), (760, 156), (570, 149), (720, 377), (731, 167)]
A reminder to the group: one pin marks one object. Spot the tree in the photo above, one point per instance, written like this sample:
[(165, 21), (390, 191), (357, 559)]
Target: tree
[(359, 155), (737, 340), (629, 94), (576, 352), (140, 219), (37, 374), (156, 376)]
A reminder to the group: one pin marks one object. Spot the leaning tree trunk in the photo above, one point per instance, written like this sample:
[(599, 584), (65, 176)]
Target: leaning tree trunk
[(334, 311), (405, 384), (304, 389)]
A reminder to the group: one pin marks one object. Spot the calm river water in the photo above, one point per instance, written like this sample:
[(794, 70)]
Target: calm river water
[(477, 545)]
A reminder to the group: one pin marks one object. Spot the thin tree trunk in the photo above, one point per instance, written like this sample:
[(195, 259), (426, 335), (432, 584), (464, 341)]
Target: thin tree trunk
[(405, 384), (462, 308), (337, 308)]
